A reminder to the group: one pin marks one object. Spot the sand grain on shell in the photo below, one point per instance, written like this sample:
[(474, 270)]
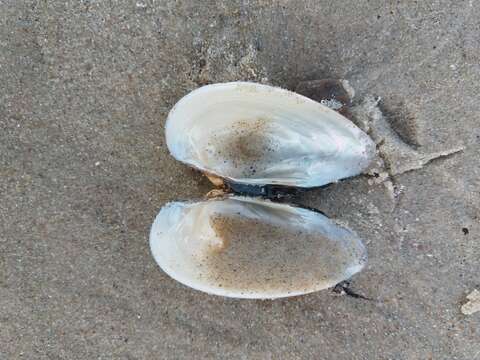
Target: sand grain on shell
[(247, 147), (255, 255)]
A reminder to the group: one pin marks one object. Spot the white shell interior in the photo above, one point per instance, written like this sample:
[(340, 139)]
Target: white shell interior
[(259, 134), (252, 248)]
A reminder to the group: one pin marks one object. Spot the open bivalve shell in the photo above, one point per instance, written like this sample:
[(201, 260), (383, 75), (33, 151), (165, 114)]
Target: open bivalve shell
[(257, 134), (253, 248)]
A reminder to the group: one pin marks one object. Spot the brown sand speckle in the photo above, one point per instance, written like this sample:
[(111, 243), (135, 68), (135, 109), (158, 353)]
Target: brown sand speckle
[(257, 255)]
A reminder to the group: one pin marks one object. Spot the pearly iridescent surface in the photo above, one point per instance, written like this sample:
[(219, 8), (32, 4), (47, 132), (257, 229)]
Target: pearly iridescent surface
[(251, 248), (259, 134)]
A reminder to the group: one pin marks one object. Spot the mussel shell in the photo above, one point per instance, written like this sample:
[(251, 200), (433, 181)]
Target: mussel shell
[(252, 248), (257, 134)]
